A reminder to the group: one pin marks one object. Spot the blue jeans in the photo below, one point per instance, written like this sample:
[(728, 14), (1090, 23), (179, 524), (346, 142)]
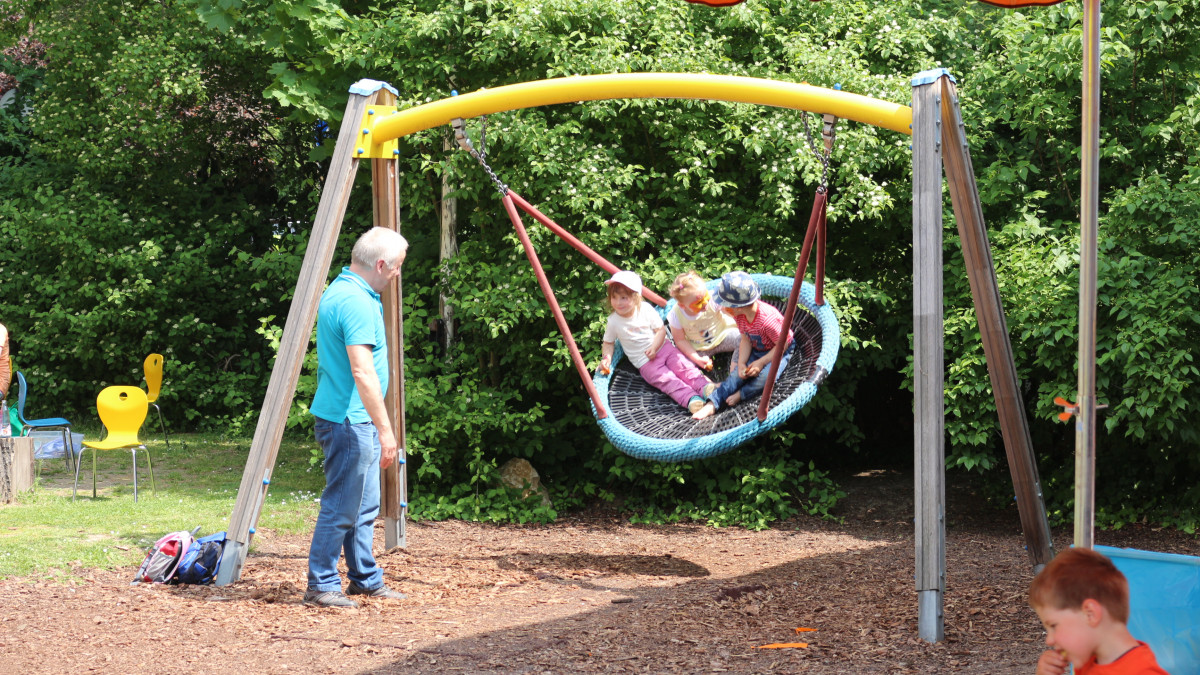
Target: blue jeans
[(349, 506), (752, 387)]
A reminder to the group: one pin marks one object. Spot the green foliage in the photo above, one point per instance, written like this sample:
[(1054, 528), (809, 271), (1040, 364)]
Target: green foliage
[(1025, 100), (754, 488), (178, 138), (142, 214), (94, 283), (482, 504)]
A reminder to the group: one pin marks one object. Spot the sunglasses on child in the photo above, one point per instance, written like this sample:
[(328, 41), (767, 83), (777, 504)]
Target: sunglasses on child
[(700, 303)]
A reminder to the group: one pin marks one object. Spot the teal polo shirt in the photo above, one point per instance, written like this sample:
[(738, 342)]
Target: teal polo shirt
[(350, 313)]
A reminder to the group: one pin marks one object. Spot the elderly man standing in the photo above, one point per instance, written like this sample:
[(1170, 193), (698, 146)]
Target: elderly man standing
[(352, 425)]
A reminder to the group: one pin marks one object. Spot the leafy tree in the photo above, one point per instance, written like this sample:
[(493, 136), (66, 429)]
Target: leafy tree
[(144, 209), (208, 106)]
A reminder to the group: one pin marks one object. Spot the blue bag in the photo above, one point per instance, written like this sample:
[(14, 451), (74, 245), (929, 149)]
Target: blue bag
[(200, 563)]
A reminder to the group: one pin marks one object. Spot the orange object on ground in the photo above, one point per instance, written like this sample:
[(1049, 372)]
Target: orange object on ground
[(784, 645)]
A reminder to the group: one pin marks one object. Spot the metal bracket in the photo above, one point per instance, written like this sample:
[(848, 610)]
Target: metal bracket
[(367, 148), (828, 132)]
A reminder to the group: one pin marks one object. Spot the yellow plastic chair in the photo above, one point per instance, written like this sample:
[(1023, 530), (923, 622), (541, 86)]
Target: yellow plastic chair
[(154, 374), (122, 410)]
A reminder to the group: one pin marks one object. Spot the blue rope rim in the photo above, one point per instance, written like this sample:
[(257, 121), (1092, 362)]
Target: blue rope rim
[(682, 450)]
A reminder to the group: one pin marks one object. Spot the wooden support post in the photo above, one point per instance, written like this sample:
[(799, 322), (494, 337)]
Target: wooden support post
[(928, 367), (393, 481), (989, 312), (447, 251), (297, 332)]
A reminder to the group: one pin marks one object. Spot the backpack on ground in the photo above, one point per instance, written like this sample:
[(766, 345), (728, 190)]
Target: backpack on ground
[(162, 560), (200, 562)]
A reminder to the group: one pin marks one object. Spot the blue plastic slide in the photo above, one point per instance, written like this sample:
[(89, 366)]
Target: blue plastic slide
[(1164, 604)]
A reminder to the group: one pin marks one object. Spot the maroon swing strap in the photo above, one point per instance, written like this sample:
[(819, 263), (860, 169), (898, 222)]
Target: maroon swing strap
[(583, 248), (816, 229), (513, 200), (551, 300)]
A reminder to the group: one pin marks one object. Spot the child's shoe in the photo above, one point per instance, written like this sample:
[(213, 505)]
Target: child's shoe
[(695, 404)]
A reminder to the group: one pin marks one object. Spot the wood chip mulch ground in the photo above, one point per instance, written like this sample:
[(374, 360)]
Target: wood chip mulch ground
[(589, 594)]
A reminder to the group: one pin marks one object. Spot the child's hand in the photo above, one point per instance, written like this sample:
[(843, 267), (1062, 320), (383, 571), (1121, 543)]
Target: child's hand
[(704, 362), (752, 371), (652, 352), (1052, 663), (606, 365)]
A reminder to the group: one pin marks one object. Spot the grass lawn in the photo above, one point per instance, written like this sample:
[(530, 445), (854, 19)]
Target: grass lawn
[(46, 534)]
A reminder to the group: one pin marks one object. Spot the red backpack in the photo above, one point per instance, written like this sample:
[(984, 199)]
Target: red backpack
[(163, 558)]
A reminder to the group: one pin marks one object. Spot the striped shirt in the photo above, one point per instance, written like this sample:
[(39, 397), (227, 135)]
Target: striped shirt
[(764, 330)]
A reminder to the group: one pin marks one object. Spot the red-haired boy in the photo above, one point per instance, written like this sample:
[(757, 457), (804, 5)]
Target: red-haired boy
[(1083, 601)]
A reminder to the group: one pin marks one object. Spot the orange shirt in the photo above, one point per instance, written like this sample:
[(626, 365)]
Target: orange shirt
[(1137, 661)]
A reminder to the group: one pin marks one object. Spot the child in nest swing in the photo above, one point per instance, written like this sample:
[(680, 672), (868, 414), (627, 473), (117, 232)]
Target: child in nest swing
[(760, 325), (698, 328), (640, 330)]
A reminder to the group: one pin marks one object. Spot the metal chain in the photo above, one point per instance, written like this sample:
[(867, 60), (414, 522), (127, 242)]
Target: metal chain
[(828, 133), (464, 142)]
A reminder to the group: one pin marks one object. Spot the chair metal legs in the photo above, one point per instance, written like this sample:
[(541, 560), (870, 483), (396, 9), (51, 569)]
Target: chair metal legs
[(68, 448), (78, 461), (148, 463), (162, 424), (133, 450)]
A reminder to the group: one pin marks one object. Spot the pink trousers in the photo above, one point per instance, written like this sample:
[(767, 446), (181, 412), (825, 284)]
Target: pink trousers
[(674, 374)]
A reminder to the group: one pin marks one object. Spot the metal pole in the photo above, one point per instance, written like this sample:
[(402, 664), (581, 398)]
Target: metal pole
[(1085, 421), (815, 223), (555, 309)]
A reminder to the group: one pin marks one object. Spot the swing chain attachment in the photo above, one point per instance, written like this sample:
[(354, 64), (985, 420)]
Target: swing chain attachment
[(828, 133), (480, 155)]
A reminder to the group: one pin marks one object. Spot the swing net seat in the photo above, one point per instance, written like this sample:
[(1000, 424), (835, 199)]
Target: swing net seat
[(642, 421), (645, 423)]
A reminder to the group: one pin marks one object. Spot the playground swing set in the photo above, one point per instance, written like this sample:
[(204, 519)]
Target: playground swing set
[(644, 422), (371, 125)]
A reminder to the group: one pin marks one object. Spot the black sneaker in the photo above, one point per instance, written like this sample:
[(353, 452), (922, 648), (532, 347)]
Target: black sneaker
[(314, 598), (381, 592)]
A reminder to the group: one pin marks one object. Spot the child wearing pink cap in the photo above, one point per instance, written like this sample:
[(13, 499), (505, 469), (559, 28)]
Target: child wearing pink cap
[(640, 330)]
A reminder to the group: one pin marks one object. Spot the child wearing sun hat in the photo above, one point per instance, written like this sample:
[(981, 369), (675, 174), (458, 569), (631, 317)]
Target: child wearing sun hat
[(640, 330), (761, 326)]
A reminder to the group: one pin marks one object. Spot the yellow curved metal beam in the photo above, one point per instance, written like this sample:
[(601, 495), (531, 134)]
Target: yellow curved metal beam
[(645, 85)]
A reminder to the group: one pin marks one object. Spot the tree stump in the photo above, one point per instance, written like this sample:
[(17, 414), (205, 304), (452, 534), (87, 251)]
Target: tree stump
[(16, 467)]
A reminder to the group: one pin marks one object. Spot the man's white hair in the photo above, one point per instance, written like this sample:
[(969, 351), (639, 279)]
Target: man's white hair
[(379, 243)]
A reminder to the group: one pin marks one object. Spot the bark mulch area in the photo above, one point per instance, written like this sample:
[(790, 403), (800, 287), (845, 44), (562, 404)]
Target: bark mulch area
[(589, 594)]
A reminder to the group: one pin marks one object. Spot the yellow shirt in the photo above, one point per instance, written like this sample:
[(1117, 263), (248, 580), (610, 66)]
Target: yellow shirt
[(705, 330)]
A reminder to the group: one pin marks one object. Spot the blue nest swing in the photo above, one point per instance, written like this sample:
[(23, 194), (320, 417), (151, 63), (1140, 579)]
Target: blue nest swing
[(645, 423)]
